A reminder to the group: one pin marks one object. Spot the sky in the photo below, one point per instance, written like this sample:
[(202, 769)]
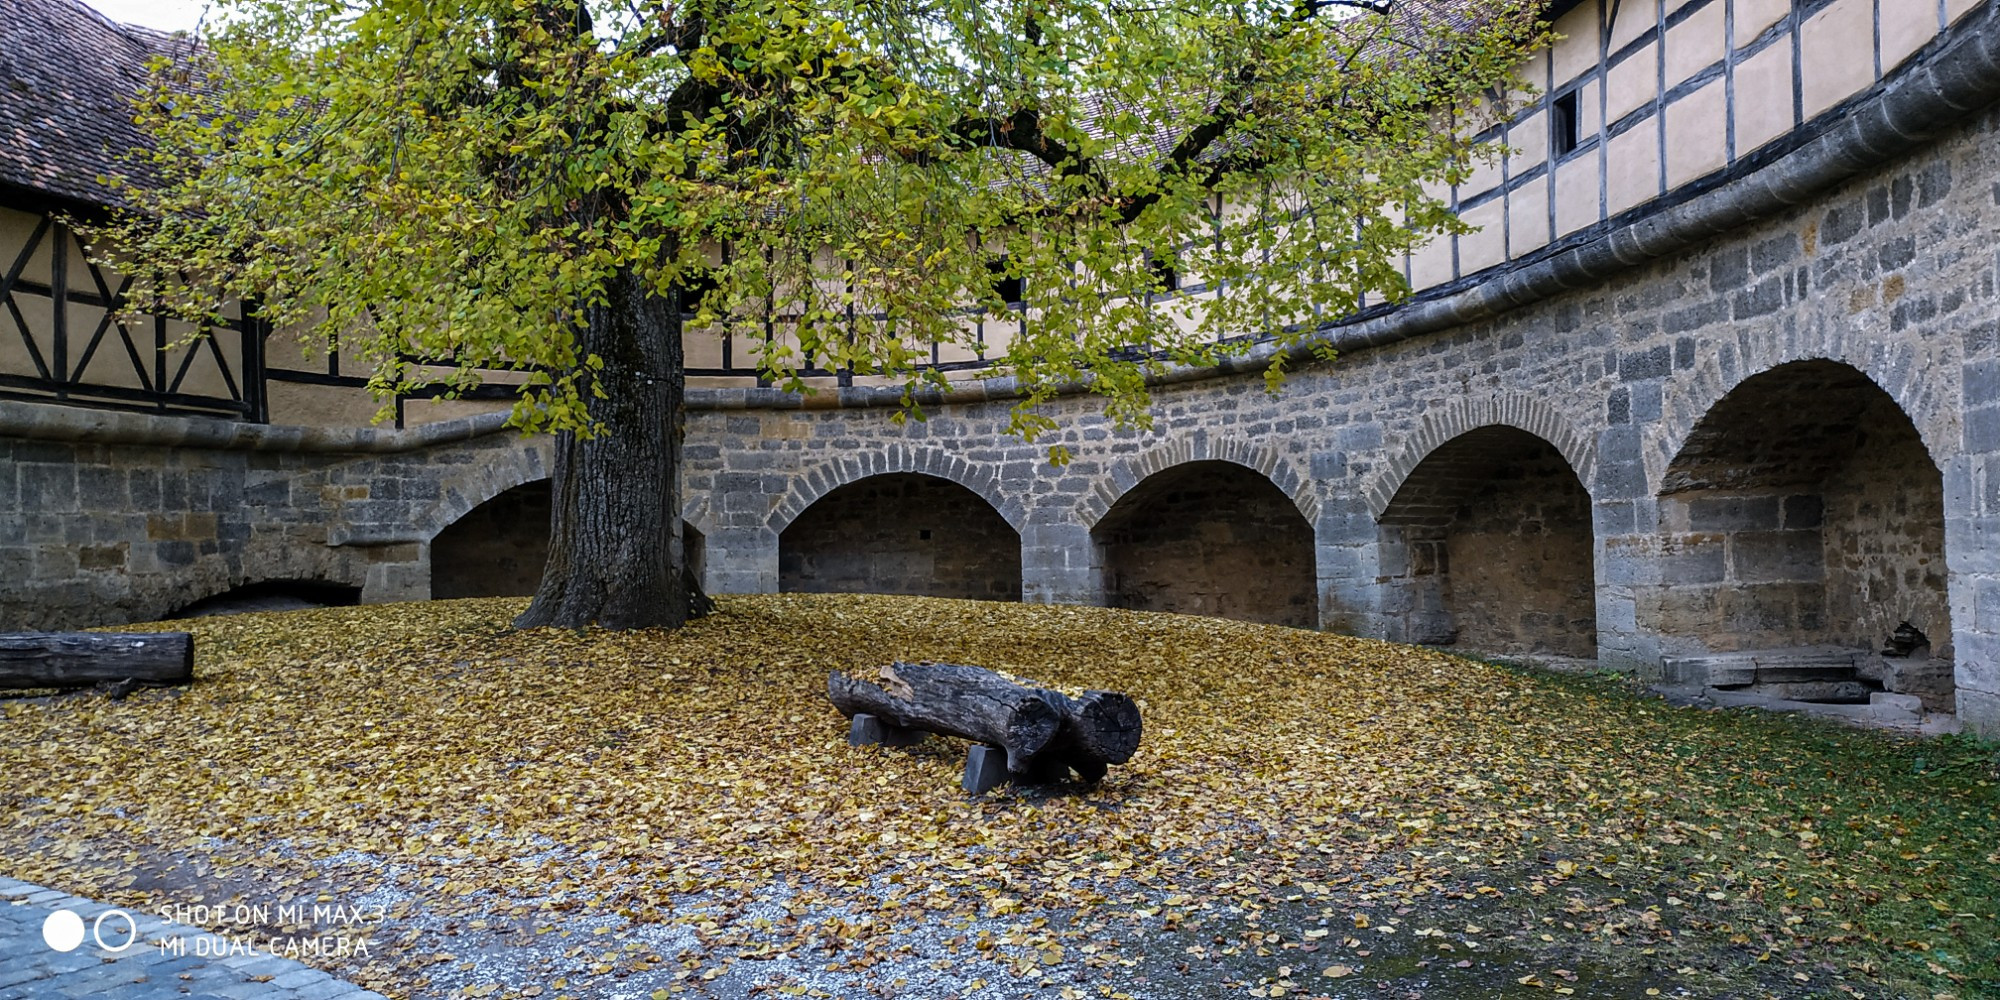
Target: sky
[(166, 15)]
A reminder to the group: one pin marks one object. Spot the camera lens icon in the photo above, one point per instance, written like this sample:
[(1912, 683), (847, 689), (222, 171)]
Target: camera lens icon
[(64, 931)]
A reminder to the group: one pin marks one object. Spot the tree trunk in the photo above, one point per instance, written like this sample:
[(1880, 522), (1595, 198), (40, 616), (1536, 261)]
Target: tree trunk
[(81, 659), (1044, 732), (615, 556)]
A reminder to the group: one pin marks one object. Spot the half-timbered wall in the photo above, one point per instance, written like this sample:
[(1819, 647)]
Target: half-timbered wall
[(62, 337)]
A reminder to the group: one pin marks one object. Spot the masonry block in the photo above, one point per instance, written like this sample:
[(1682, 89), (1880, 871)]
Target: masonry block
[(867, 730), (985, 769)]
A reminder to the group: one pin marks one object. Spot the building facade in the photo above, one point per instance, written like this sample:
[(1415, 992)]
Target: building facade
[(1718, 373)]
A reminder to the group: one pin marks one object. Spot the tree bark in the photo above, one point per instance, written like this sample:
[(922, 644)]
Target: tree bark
[(81, 659), (615, 557), (1044, 732)]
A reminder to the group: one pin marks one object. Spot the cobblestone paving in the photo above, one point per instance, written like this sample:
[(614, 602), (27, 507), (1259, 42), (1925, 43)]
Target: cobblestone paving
[(163, 959)]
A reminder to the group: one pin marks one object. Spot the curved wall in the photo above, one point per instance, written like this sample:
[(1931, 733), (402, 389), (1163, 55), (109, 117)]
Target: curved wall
[(1611, 351), (1892, 273)]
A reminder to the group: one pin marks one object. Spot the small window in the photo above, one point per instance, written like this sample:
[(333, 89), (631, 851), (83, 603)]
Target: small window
[(1007, 287), (1168, 279), (1565, 127), (694, 289)]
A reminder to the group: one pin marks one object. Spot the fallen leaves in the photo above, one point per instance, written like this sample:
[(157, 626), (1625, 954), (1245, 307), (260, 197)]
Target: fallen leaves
[(517, 785)]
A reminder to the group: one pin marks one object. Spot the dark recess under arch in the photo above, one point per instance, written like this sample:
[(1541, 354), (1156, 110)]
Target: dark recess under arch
[(499, 548), (1487, 546), (1210, 538), (901, 533), (1803, 509)]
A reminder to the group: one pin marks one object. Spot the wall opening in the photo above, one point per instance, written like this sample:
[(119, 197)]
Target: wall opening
[(1487, 547), (901, 533), (271, 595), (1210, 538), (499, 548), (1804, 510)]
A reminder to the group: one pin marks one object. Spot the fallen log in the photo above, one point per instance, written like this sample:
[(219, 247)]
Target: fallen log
[(1044, 733), (84, 659)]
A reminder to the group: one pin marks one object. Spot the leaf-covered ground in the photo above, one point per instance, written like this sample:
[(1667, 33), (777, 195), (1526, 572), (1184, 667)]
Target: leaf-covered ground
[(548, 814)]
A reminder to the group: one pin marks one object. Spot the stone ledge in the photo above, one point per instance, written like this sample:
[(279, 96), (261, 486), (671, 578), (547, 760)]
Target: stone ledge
[(58, 422)]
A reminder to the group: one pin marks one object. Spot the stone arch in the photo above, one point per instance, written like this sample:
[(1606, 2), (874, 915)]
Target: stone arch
[(498, 549), (500, 546), (496, 473), (279, 593), (1462, 415), (1804, 509), (1487, 544), (901, 533), (1130, 472), (809, 487), (1210, 536), (1925, 388)]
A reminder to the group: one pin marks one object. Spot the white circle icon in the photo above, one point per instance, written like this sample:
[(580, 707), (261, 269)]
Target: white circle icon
[(63, 930), (131, 930)]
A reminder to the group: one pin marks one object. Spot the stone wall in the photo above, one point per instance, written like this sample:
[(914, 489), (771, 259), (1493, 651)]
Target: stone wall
[(901, 533), (1210, 538), (1884, 542), (1613, 376), (146, 515), (1885, 281)]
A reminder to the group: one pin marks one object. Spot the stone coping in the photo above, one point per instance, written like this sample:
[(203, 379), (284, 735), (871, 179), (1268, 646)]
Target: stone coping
[(45, 422)]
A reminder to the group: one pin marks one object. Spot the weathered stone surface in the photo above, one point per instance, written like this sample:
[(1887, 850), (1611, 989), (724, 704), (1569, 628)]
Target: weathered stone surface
[(1897, 707), (985, 769), (1822, 505), (867, 730)]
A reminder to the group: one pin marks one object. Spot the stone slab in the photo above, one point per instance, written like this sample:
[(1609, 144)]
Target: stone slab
[(985, 769), (867, 730)]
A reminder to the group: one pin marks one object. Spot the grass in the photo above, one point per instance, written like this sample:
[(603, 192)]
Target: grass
[(558, 813)]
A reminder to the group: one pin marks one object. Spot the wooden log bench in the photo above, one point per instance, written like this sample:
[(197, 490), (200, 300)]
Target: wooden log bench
[(1019, 731), (120, 660)]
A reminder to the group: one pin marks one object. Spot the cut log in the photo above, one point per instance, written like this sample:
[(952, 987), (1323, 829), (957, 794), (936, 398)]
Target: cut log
[(1044, 733), (83, 659), (971, 702)]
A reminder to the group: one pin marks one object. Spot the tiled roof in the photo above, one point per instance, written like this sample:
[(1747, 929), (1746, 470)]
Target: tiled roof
[(67, 78)]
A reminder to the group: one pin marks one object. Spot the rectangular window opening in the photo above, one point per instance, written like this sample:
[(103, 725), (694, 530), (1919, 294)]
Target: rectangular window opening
[(1008, 287), (695, 288), (1565, 127)]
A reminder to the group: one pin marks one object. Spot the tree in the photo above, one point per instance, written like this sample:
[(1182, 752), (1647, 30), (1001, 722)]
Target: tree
[(548, 183)]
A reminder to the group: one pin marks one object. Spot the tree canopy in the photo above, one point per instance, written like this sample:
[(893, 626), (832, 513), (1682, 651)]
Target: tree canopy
[(461, 180)]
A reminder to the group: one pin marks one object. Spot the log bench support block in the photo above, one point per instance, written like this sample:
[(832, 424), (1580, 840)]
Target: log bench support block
[(868, 730), (985, 768)]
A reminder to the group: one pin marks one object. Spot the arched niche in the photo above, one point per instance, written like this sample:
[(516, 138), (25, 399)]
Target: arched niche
[(901, 533), (499, 548), (1210, 538), (1486, 546)]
